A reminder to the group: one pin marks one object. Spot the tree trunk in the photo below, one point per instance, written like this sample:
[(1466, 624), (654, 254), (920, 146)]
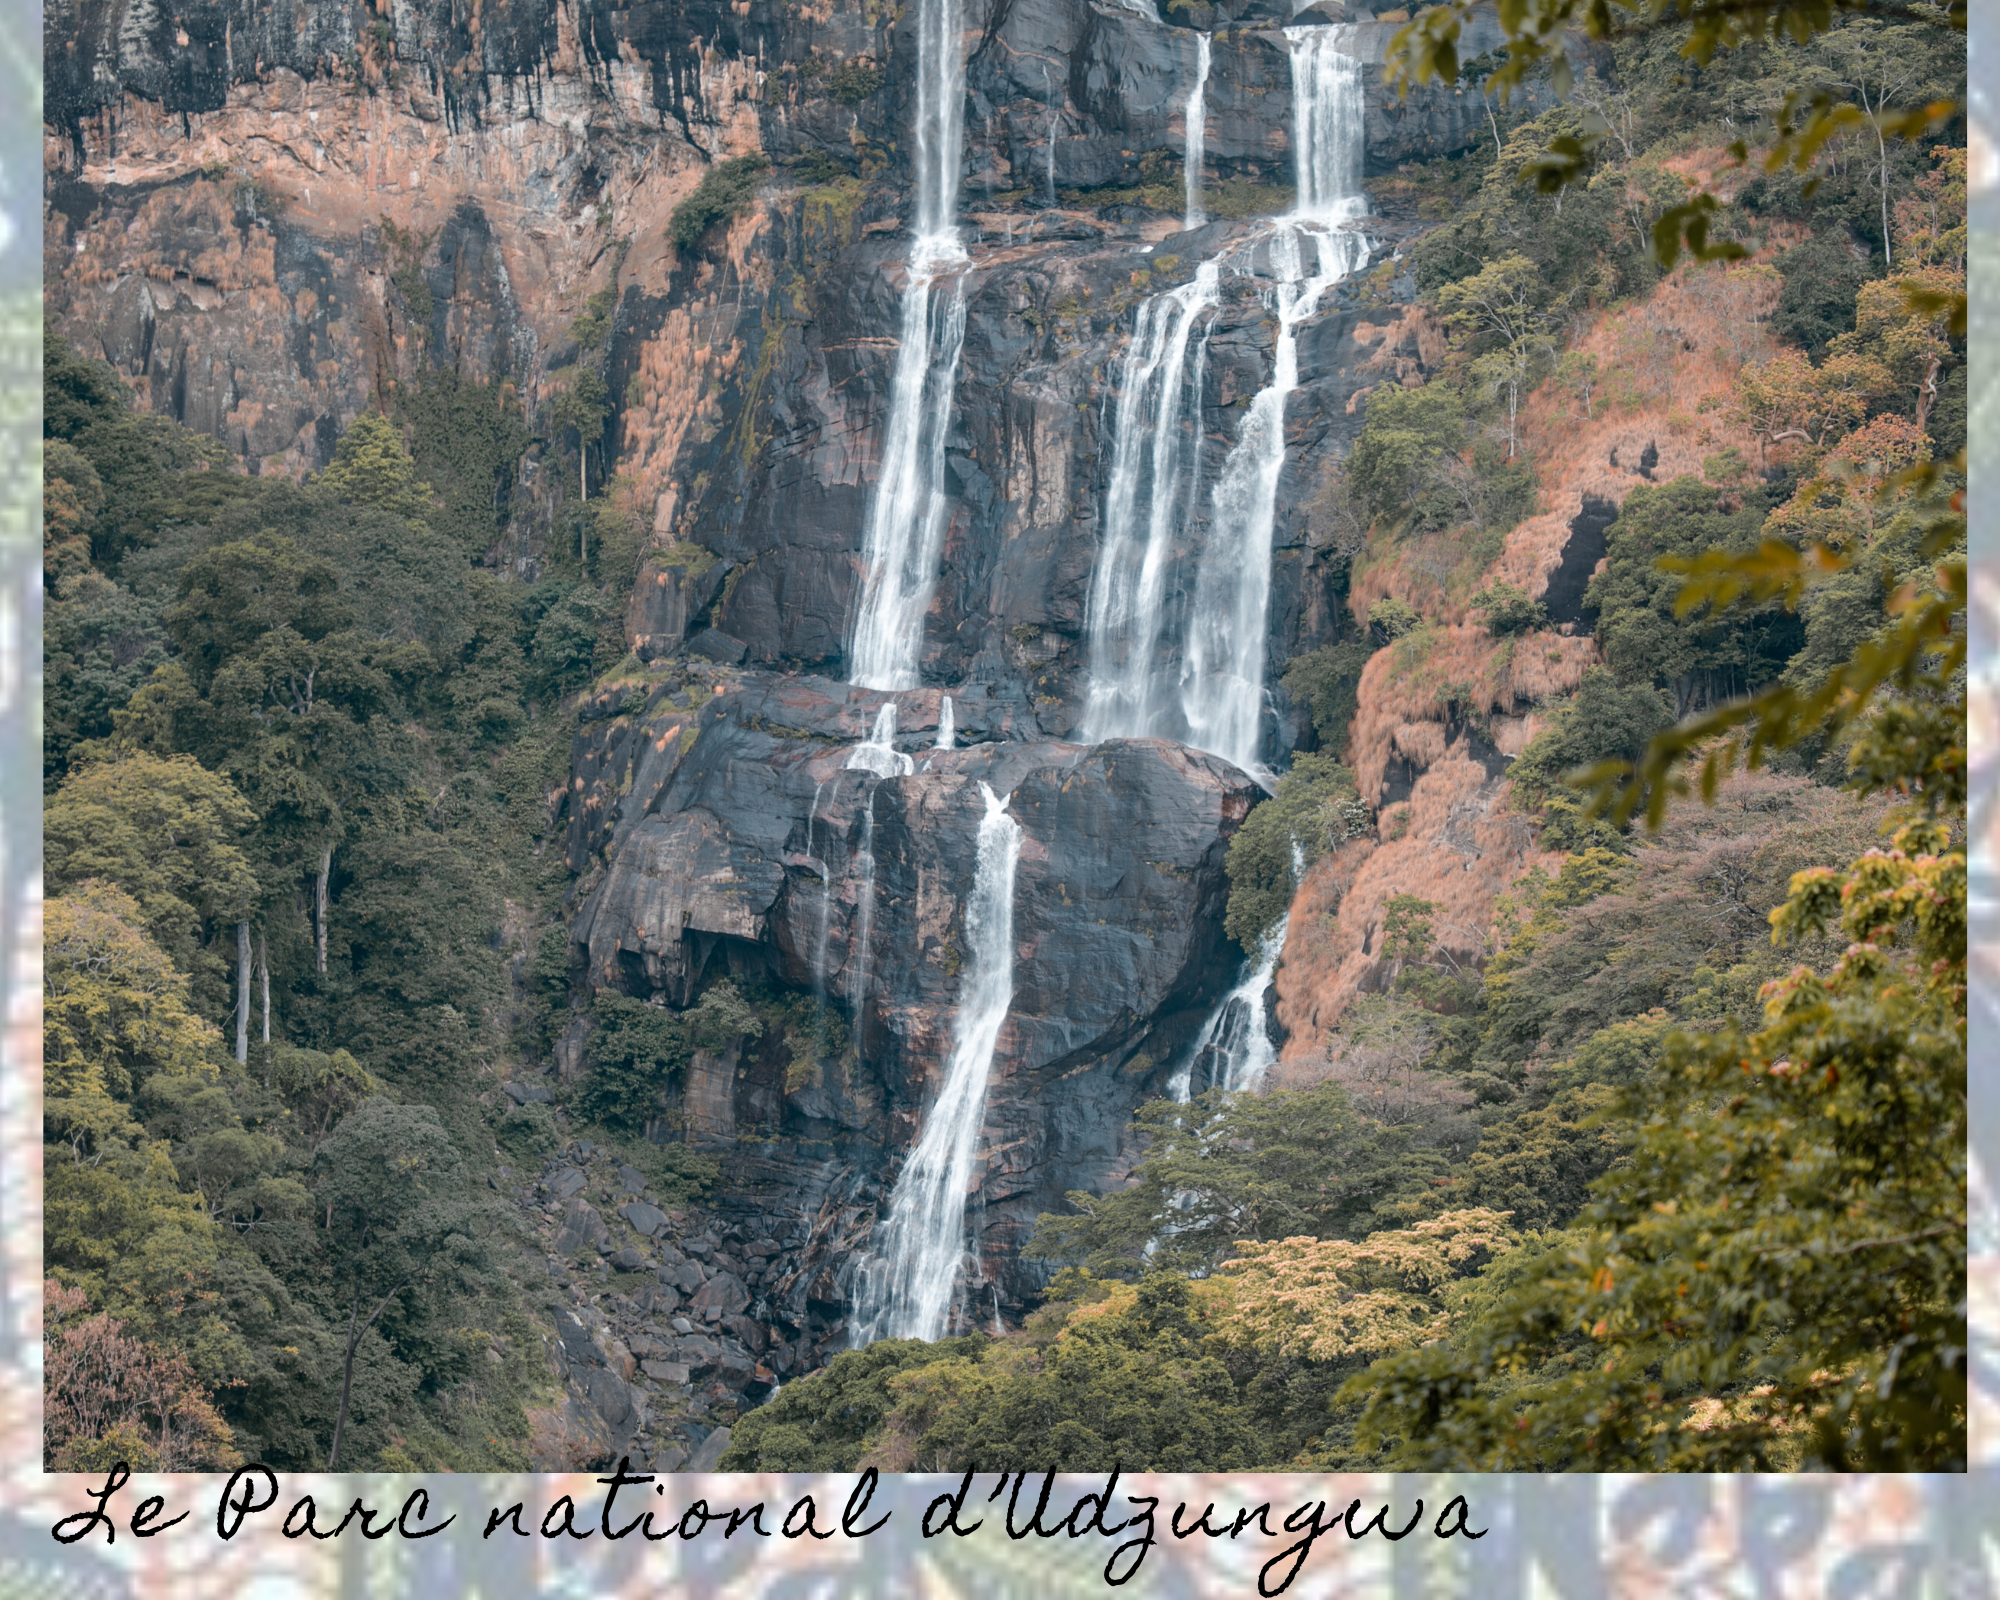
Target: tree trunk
[(1882, 145), (319, 907), (242, 993), (346, 1380), (1927, 393), (264, 977)]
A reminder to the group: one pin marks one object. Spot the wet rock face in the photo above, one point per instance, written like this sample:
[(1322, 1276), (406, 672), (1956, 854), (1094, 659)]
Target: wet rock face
[(752, 848)]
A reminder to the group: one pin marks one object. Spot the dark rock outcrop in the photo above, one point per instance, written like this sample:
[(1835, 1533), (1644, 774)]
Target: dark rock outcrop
[(744, 848)]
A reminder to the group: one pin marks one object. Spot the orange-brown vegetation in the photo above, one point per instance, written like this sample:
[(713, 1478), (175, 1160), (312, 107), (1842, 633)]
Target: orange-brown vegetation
[(1411, 690), (1459, 848)]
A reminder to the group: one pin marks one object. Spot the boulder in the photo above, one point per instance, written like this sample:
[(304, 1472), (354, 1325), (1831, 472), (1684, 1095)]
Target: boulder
[(715, 645), (567, 1437), (582, 1228), (565, 1183), (523, 1094), (709, 1456), (663, 1371), (622, 1407), (656, 1300), (724, 1293), (628, 1260), (578, 1349), (700, 1356), (751, 1333), (647, 1219)]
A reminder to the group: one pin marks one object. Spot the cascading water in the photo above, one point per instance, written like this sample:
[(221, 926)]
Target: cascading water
[(864, 919), (906, 523), (1208, 687), (1155, 463), (947, 734), (1197, 132), (905, 1289), (825, 901), (878, 753), (1233, 1051), (1222, 676)]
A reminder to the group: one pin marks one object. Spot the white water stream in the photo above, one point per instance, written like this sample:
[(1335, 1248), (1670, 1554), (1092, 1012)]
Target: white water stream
[(1233, 1051), (1155, 471), (1207, 687), (905, 1289), (1197, 132), (907, 521), (1222, 676)]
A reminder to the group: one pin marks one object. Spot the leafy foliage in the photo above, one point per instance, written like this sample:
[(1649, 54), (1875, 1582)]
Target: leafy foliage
[(1278, 842), (1226, 1168), (821, 1423), (108, 1399), (726, 190)]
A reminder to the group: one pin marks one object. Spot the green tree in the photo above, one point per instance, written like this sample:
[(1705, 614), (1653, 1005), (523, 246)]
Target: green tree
[(1278, 842), (1402, 436), (1776, 1277), (390, 1183), (1603, 720), (727, 189), (167, 832), (635, 1050), (1509, 610), (1128, 1381), (1326, 681), (115, 1013), (371, 468), (823, 1423), (232, 595), (1646, 641), (1225, 1168), (1501, 317)]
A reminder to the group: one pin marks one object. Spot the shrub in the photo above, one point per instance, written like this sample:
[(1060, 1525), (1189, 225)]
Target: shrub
[(1509, 610), (1277, 842), (1391, 619), (725, 190), (854, 81)]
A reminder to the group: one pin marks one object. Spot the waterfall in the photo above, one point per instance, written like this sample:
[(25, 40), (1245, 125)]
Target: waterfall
[(905, 1289), (1155, 464), (878, 753), (825, 902), (1222, 677), (1197, 130), (1235, 1042), (906, 522), (864, 917), (947, 735), (1055, 115)]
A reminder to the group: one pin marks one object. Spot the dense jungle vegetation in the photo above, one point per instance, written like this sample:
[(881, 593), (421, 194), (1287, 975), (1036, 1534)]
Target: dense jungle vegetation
[(1672, 1175), (301, 759)]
